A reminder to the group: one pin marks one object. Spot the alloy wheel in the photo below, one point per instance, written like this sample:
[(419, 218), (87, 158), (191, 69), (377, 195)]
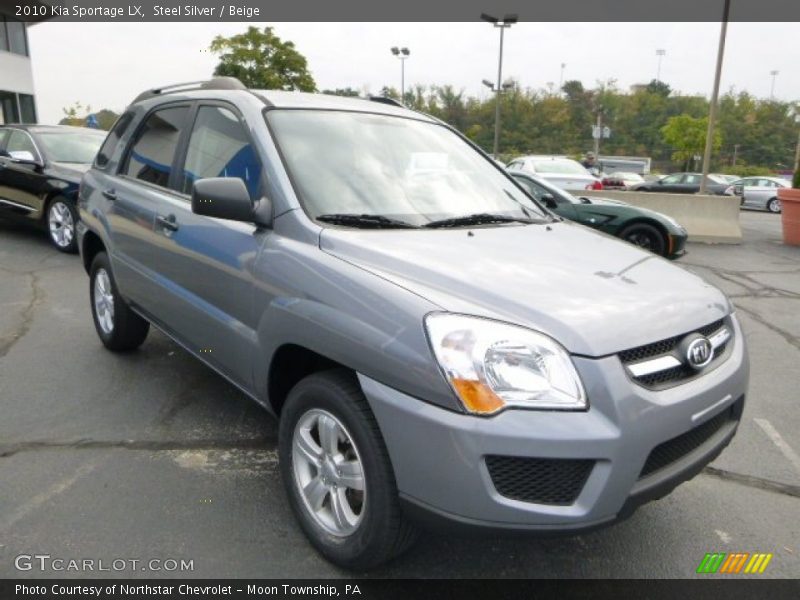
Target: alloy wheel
[(328, 472), (104, 301), (61, 223)]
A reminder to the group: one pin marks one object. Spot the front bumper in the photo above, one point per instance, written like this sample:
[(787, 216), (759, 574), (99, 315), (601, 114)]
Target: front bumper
[(439, 457)]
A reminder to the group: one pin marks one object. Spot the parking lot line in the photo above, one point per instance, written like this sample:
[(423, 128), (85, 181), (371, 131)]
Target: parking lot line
[(782, 445), (50, 493)]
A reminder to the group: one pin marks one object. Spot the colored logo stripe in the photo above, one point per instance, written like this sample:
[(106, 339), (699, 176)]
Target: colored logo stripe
[(736, 562)]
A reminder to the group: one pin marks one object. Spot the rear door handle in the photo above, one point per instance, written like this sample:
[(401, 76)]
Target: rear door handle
[(167, 222), (110, 194)]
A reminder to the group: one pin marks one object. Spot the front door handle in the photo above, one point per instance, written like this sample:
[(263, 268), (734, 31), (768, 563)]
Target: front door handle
[(111, 194), (167, 222)]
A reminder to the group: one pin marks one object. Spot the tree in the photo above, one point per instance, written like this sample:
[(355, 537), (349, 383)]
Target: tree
[(261, 60), (687, 136), (348, 91), (75, 114)]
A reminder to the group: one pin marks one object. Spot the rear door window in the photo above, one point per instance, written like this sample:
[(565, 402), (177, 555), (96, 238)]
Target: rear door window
[(220, 147), (152, 153)]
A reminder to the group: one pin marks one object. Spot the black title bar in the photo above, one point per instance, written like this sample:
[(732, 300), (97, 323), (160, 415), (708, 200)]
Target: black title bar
[(600, 11)]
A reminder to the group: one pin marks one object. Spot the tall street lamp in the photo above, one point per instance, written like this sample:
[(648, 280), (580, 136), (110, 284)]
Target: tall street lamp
[(712, 111), (660, 52), (561, 79), (402, 54), (772, 85), (504, 23)]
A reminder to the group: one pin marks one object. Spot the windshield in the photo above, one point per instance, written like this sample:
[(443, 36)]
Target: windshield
[(559, 166), (78, 147), (349, 163)]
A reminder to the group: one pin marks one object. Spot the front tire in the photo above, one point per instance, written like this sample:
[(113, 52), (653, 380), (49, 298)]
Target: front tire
[(337, 473), (646, 237), (119, 328), (774, 206), (62, 219)]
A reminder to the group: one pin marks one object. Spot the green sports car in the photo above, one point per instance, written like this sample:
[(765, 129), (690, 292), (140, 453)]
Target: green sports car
[(646, 228)]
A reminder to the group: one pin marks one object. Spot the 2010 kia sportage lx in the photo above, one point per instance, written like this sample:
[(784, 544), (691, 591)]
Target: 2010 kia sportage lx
[(434, 342)]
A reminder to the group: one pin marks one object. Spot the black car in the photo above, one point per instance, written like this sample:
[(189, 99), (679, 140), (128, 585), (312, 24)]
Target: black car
[(40, 169), (684, 183)]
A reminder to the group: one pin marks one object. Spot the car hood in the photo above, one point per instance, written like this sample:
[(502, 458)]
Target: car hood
[(72, 172), (594, 294)]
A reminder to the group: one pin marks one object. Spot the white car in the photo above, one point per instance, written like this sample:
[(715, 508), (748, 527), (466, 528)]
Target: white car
[(562, 172), (759, 192)]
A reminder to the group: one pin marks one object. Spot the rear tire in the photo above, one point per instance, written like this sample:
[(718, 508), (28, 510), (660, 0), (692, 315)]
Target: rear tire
[(352, 515), (774, 206), (646, 237), (119, 328)]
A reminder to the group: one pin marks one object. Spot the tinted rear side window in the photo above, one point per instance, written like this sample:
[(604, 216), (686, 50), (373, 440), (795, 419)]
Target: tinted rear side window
[(153, 150), (112, 140), (219, 147)]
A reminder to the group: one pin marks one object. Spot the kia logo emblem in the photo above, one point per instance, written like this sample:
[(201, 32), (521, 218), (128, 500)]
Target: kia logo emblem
[(699, 353)]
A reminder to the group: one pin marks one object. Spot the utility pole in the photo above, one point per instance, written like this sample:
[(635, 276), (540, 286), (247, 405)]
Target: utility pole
[(561, 79), (735, 153), (712, 112), (772, 85)]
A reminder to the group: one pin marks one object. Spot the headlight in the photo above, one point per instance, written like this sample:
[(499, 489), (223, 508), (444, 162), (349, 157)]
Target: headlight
[(492, 365)]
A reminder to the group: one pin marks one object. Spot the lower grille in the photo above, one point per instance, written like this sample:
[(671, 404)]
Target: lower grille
[(673, 450), (539, 480)]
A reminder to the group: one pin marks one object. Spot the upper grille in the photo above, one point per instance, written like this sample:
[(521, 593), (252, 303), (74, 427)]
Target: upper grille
[(539, 480), (672, 450), (665, 346), (678, 373)]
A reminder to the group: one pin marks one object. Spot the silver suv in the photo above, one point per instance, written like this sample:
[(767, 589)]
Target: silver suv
[(437, 346)]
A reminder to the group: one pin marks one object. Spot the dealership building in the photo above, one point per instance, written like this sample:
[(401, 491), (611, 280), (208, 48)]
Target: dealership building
[(17, 99)]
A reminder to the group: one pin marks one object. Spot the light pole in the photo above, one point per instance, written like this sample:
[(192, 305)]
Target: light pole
[(772, 85), (402, 54), (504, 23), (660, 52), (561, 79), (712, 111)]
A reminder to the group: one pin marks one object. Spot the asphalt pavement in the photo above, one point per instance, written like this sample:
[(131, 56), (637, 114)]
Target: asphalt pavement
[(151, 455)]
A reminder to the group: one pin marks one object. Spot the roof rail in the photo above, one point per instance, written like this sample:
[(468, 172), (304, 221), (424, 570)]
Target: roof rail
[(386, 100), (217, 83)]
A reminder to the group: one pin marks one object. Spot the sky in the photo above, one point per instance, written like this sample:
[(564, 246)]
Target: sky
[(105, 65)]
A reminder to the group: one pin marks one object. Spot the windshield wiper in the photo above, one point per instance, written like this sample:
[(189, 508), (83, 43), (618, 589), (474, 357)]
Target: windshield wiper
[(477, 219), (373, 221)]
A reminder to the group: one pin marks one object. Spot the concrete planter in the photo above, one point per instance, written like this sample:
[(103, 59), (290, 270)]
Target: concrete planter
[(790, 215)]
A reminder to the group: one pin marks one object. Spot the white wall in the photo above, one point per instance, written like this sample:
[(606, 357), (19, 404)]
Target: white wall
[(15, 73)]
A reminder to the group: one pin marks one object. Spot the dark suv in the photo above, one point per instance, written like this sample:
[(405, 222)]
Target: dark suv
[(434, 342), (40, 169)]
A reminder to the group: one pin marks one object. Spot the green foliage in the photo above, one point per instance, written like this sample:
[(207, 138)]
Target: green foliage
[(261, 60), (77, 114), (796, 180), (348, 91), (687, 136), (743, 170)]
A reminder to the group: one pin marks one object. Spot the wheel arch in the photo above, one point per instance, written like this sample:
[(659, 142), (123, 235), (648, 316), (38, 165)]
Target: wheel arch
[(91, 246), (289, 365)]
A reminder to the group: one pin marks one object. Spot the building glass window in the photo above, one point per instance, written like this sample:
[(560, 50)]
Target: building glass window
[(27, 108), (13, 37), (9, 112)]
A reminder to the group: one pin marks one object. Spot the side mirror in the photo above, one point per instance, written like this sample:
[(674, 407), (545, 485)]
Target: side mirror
[(24, 157), (222, 198), (549, 201)]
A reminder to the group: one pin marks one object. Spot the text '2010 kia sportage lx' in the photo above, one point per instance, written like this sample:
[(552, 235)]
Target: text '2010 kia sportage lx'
[(435, 344)]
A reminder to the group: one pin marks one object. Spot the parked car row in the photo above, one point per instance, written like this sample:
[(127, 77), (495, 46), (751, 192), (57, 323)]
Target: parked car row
[(437, 344)]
